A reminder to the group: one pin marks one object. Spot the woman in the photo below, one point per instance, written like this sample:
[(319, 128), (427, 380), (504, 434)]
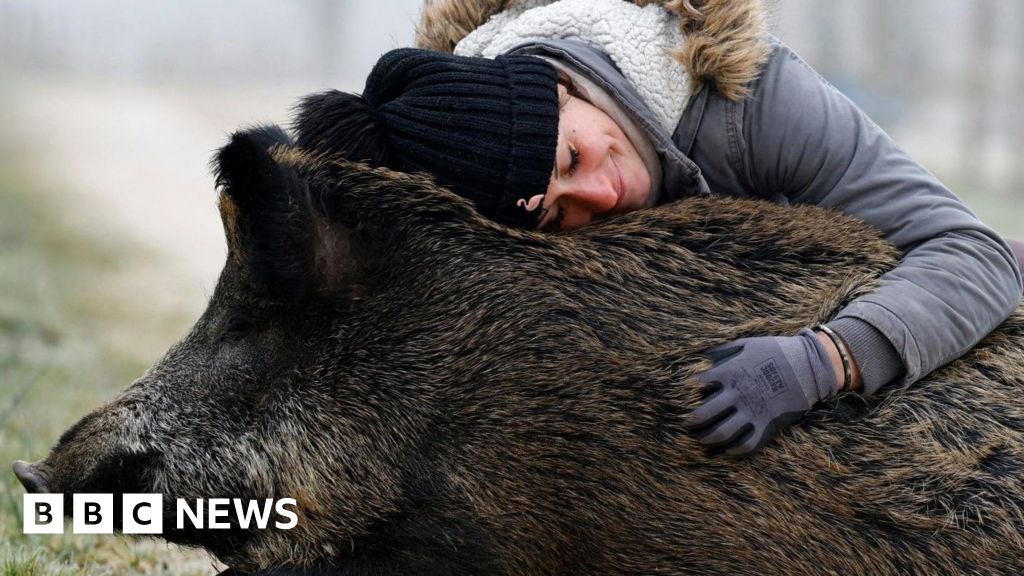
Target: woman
[(554, 114)]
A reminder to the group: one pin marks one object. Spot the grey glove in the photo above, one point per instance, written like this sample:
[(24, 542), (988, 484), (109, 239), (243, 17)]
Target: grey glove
[(758, 385)]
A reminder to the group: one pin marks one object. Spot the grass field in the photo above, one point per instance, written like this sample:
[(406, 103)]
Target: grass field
[(62, 353)]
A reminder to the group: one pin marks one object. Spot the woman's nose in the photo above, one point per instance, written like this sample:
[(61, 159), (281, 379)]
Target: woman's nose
[(596, 193), (585, 199)]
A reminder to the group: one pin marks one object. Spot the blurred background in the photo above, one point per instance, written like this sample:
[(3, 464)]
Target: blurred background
[(110, 111)]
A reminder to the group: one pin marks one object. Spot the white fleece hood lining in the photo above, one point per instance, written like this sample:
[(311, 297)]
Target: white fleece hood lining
[(640, 41)]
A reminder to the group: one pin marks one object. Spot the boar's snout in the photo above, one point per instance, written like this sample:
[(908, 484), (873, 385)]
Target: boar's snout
[(30, 477), (107, 451)]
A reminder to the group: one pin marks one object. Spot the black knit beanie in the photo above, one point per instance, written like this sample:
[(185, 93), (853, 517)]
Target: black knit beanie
[(487, 129)]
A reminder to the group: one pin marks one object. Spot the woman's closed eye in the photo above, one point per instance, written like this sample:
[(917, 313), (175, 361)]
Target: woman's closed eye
[(552, 216), (574, 160)]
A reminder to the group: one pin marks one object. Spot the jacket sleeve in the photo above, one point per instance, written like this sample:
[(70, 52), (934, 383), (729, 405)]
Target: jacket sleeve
[(958, 279)]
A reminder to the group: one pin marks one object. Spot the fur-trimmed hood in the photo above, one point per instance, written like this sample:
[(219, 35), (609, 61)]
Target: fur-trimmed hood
[(726, 40)]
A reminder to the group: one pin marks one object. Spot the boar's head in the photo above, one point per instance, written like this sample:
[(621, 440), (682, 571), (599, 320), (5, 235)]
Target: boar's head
[(377, 350)]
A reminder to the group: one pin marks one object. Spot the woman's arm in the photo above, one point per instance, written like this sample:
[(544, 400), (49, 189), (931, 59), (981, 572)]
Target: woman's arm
[(958, 279)]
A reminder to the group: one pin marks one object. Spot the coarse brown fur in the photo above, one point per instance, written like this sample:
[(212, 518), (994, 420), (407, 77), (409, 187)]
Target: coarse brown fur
[(725, 40), (474, 399)]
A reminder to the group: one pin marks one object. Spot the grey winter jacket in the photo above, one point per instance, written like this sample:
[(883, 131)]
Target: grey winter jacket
[(797, 140)]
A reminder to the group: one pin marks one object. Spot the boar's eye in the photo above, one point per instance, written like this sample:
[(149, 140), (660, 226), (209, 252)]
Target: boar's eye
[(236, 328)]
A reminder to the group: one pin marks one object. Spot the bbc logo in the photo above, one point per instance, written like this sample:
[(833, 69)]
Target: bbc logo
[(93, 514), (143, 513)]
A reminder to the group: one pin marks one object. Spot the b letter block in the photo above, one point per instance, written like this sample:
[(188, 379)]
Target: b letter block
[(93, 514), (43, 514)]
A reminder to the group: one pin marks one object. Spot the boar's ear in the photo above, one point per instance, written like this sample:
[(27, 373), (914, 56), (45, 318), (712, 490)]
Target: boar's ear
[(271, 231)]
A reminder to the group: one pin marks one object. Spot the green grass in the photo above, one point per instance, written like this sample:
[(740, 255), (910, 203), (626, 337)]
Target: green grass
[(58, 361)]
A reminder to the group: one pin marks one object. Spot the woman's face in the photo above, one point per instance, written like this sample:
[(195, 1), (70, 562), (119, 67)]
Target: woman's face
[(597, 171)]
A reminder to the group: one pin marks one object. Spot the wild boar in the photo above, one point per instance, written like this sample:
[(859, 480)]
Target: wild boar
[(445, 395)]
